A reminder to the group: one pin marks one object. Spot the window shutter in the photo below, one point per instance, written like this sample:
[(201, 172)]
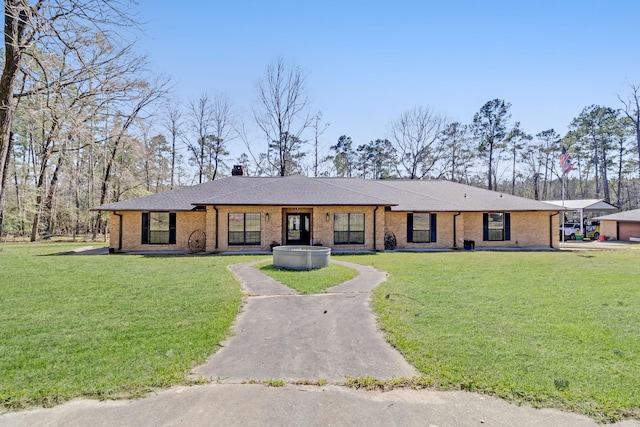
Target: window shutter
[(145, 228), (485, 226), (433, 227), (410, 227), (172, 228), (507, 226)]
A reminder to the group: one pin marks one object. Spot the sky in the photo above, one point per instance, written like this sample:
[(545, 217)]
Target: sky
[(367, 62)]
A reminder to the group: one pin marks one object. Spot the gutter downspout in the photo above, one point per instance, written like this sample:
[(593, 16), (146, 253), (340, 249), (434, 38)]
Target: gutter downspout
[(119, 229), (216, 209), (551, 229), (374, 228), (455, 238)]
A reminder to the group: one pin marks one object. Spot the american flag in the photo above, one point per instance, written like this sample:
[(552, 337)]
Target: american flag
[(565, 160)]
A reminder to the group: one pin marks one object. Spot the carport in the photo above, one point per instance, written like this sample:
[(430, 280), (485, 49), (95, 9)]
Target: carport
[(625, 225), (584, 208)]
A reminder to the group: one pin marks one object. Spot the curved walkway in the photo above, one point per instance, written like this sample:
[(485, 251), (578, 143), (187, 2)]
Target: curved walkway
[(282, 335), (285, 336)]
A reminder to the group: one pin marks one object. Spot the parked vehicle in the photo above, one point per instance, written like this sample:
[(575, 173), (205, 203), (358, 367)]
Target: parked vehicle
[(592, 230), (570, 230)]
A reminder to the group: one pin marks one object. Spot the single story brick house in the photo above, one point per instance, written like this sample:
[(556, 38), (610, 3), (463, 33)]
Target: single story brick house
[(621, 226), (242, 213)]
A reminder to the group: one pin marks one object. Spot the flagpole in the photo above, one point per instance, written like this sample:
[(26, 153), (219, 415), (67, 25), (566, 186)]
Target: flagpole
[(562, 216), (565, 166)]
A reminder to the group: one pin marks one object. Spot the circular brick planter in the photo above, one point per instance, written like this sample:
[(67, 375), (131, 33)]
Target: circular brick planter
[(301, 257)]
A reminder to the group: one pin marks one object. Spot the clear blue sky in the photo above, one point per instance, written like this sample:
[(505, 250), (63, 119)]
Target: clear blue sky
[(369, 61)]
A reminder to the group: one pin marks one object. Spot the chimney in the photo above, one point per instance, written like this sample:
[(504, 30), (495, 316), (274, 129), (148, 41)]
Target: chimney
[(238, 170)]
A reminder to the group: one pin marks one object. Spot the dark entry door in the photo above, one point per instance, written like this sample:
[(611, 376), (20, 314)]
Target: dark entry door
[(298, 229)]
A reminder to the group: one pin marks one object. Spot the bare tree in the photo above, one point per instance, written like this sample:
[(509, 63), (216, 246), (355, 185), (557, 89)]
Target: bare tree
[(172, 122), (201, 117), (259, 159), (142, 94), (624, 166), (41, 27), (64, 111), (416, 138), (212, 124), (282, 113), (223, 128), (632, 111), (318, 130)]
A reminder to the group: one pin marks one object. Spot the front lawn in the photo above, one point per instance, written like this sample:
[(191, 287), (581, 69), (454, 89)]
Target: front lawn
[(309, 281), (106, 326), (550, 329)]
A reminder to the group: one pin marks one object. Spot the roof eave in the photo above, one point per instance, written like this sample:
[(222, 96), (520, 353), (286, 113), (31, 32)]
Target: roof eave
[(101, 209), (294, 205)]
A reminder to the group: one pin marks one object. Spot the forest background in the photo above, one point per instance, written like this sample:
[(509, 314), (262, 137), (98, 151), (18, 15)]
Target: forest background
[(86, 120)]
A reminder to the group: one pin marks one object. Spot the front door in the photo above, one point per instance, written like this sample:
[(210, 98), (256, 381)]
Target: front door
[(298, 229)]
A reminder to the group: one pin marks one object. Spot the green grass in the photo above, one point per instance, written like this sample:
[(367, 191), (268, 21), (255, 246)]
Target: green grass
[(106, 326), (309, 281), (551, 329)]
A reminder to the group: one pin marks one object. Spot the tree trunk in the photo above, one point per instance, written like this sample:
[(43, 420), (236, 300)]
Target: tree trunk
[(173, 159), (545, 182), (638, 142), (596, 160), (104, 187), (18, 197), (619, 184), (490, 186), (49, 199), (201, 172), (39, 190), (513, 174), (14, 26), (605, 179), (3, 185)]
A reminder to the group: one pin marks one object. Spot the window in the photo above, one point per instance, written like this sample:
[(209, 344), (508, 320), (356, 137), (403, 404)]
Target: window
[(244, 229), (158, 228), (348, 229), (496, 226), (421, 228)]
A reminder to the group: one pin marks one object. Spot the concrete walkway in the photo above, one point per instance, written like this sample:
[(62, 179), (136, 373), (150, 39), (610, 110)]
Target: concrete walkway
[(329, 336), (301, 338)]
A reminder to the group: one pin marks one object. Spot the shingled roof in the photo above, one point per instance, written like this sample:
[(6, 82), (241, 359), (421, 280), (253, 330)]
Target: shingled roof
[(296, 190), (180, 199), (398, 195), (441, 196), (626, 216)]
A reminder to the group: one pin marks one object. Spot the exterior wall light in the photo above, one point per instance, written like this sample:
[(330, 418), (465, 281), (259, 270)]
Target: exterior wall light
[(266, 217), (327, 218)]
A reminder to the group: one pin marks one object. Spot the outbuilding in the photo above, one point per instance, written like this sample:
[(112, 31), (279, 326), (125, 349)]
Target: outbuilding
[(583, 210), (621, 226)]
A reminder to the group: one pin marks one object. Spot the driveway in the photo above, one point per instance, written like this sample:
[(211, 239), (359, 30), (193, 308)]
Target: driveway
[(596, 245), (306, 337), (300, 339)]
